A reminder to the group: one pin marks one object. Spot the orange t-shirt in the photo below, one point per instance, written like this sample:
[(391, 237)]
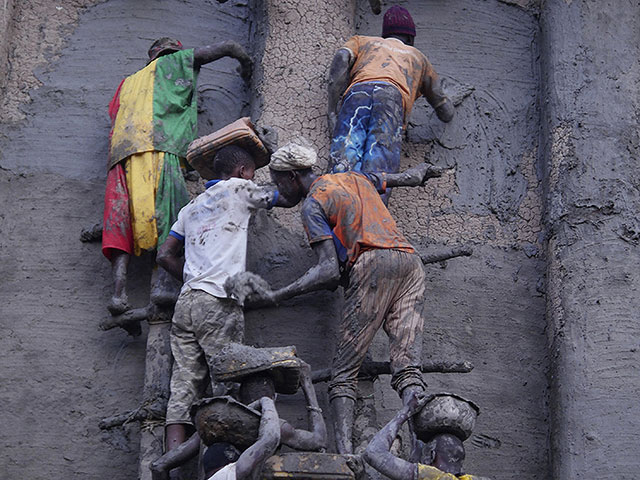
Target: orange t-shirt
[(347, 207), (390, 60)]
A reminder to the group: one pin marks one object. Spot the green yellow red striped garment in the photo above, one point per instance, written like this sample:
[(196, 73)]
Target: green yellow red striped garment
[(155, 109), (153, 120)]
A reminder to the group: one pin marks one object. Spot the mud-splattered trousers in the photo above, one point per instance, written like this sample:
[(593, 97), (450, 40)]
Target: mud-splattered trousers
[(386, 289), (202, 324), (368, 132)]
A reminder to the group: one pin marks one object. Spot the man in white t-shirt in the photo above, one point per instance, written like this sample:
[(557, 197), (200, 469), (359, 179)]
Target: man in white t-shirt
[(212, 228)]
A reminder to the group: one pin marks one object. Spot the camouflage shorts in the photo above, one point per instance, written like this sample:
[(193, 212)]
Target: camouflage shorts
[(201, 325)]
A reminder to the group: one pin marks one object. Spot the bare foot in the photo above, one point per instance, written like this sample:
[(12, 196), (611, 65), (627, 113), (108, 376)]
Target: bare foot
[(91, 234), (118, 305)]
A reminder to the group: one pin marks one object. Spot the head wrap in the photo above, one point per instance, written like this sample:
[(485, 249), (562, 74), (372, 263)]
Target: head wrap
[(298, 155), (162, 45), (397, 20)]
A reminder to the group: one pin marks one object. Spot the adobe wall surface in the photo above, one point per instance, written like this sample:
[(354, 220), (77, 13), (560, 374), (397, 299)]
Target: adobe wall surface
[(592, 81), (61, 375), (489, 308)]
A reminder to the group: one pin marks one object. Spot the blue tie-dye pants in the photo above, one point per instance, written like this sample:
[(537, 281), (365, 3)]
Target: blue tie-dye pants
[(368, 132)]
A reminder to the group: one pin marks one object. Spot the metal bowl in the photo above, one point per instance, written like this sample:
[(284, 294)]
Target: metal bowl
[(223, 419)]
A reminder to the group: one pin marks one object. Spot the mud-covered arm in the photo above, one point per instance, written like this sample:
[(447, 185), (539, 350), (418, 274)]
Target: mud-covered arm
[(316, 438), (339, 76), (414, 176), (378, 453), (251, 460), (174, 458), (267, 197), (229, 48), (170, 256), (432, 90), (323, 275)]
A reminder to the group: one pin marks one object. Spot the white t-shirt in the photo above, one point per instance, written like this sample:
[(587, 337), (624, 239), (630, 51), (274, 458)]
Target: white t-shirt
[(228, 472), (214, 228)]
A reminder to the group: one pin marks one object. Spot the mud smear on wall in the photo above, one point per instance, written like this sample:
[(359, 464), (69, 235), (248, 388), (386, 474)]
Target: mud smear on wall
[(109, 43)]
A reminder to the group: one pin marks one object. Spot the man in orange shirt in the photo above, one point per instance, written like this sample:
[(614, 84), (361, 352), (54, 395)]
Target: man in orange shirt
[(378, 80), (352, 232)]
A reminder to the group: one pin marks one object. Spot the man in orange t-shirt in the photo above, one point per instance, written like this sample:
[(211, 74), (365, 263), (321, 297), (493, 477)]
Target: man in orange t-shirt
[(352, 232), (378, 79)]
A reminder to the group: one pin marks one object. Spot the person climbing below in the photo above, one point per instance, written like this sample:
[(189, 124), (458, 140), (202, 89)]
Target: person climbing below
[(442, 459), (350, 228), (253, 388), (249, 464), (212, 228), (218, 456), (153, 120), (373, 84)]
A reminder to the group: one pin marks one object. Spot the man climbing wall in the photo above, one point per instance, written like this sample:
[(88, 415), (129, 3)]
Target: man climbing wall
[(154, 118), (349, 228), (373, 84)]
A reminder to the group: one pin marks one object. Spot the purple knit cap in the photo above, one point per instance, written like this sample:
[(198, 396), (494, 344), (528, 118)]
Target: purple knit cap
[(397, 20)]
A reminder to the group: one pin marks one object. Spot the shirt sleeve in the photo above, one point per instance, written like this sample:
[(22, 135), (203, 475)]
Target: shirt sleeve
[(378, 179), (353, 45), (315, 221), (177, 229)]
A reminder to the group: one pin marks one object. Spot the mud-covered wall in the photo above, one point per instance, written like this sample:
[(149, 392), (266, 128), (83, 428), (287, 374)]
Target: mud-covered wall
[(60, 375), (592, 91), (60, 64)]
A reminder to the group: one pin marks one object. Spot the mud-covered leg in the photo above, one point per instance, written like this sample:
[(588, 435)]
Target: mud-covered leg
[(119, 302), (156, 391), (164, 288), (343, 410)]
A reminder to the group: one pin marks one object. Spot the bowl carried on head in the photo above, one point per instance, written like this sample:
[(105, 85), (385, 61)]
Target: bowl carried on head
[(224, 419), (237, 361), (446, 413)]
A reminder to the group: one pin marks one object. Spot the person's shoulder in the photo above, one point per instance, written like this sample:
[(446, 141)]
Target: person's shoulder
[(322, 183), (238, 183)]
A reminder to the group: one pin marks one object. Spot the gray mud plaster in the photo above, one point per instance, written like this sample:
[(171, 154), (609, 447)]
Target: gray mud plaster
[(591, 81), (487, 309), (60, 373), (67, 123), (309, 322), (498, 123)]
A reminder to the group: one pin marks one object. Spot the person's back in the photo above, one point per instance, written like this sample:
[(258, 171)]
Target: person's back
[(392, 61), (213, 231), (373, 84), (214, 228), (348, 208)]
